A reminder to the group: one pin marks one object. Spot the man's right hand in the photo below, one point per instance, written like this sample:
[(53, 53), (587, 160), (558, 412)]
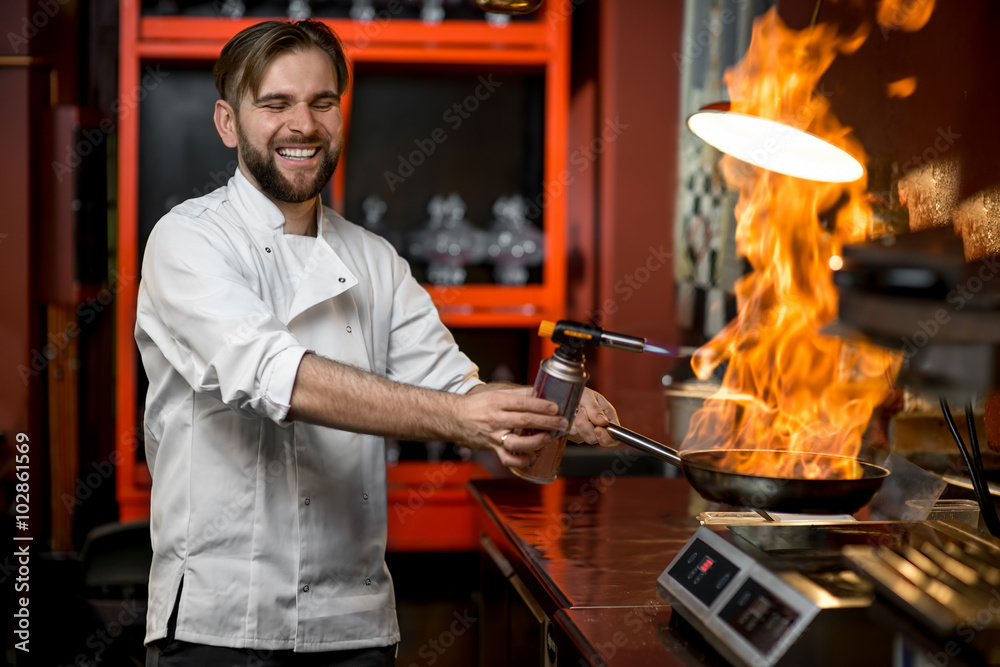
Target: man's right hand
[(487, 416)]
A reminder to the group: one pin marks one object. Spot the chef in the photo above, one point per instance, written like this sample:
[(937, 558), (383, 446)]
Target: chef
[(281, 344)]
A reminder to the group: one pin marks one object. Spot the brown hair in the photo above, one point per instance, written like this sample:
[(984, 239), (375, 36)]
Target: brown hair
[(246, 56)]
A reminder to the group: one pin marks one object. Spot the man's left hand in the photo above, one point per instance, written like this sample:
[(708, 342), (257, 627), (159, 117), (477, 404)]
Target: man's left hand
[(594, 413)]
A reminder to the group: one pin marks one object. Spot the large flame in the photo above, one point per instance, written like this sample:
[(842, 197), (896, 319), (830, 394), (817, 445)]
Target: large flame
[(786, 386)]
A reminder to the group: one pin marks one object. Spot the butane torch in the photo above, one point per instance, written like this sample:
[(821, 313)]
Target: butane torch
[(562, 377)]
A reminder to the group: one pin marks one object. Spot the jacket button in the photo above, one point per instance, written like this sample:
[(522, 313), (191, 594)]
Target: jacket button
[(267, 249), (307, 501), (341, 279), (368, 582), (305, 589), (348, 329), (366, 496)]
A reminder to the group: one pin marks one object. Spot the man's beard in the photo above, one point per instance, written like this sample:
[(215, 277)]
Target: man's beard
[(272, 182)]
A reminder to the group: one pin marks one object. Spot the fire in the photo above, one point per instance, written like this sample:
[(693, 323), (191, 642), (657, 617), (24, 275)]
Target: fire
[(803, 392), (906, 15), (903, 87)]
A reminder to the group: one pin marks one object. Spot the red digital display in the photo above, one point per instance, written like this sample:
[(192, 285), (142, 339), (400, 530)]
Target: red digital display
[(705, 565)]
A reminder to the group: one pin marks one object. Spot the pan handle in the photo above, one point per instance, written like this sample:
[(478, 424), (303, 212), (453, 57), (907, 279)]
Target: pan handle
[(644, 444)]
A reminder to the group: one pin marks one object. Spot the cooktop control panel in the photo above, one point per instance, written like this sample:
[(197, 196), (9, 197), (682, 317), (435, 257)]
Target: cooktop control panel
[(750, 614)]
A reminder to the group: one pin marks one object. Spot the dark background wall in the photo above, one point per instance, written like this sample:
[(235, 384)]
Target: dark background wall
[(955, 58)]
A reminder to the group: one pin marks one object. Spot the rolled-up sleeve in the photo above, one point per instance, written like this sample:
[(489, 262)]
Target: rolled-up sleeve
[(205, 319)]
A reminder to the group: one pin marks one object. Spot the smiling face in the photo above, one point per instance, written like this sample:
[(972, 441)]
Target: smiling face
[(289, 132)]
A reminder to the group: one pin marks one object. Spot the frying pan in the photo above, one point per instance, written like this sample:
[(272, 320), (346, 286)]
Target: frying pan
[(709, 474)]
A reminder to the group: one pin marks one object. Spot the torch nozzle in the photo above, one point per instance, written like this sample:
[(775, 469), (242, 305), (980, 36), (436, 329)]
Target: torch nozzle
[(577, 334), (622, 342)]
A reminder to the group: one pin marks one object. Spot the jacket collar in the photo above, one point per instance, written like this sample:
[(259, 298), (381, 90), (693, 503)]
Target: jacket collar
[(258, 207), (325, 273)]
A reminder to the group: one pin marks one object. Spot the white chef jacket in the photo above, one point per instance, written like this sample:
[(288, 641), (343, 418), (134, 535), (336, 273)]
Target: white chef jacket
[(277, 529)]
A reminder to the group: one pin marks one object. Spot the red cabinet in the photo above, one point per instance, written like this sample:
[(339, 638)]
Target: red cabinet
[(539, 46)]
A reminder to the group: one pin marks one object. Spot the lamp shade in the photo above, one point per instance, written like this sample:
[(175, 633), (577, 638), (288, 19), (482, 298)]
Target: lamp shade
[(774, 146)]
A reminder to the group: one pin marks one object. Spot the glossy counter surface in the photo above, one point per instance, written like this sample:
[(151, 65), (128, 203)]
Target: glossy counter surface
[(589, 551)]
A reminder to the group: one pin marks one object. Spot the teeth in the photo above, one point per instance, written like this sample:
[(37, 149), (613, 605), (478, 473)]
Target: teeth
[(297, 153)]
